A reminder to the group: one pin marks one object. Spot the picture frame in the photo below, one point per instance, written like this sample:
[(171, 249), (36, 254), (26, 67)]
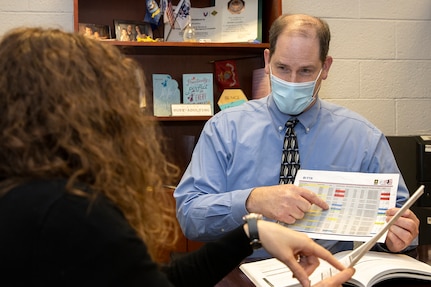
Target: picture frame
[(95, 31), (129, 30)]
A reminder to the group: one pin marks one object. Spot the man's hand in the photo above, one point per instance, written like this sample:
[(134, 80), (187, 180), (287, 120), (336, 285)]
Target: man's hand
[(403, 231), (285, 203)]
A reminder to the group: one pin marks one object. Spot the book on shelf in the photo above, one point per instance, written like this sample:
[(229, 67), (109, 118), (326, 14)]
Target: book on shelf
[(198, 89), (165, 93), (372, 268)]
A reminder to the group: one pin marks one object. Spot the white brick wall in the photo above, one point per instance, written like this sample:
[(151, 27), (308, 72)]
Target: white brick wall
[(381, 50), (45, 13), (382, 59)]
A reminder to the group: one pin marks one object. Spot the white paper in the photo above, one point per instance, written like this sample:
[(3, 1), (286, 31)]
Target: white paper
[(242, 26), (218, 24), (191, 110), (369, 270), (357, 204)]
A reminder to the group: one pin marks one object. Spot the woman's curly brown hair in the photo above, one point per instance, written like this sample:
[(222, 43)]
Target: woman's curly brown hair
[(69, 109)]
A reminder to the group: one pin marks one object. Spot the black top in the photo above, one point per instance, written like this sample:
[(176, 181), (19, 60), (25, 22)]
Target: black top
[(49, 237)]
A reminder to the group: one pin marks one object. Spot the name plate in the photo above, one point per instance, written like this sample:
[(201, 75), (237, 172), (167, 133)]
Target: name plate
[(191, 110)]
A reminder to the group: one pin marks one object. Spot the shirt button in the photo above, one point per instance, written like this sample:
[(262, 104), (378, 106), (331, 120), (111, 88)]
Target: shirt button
[(307, 129), (280, 128)]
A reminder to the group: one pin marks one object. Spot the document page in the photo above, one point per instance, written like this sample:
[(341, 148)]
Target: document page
[(369, 270), (357, 204), (223, 22)]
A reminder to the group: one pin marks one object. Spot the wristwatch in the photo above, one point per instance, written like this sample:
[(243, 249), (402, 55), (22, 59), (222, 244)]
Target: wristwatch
[(251, 220)]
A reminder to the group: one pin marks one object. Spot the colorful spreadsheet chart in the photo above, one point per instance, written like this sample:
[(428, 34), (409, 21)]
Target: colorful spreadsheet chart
[(357, 204)]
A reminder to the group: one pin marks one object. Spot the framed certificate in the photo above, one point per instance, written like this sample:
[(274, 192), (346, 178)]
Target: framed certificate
[(226, 21)]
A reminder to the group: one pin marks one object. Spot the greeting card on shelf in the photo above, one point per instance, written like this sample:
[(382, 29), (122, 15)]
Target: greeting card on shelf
[(231, 98), (198, 89), (165, 93)]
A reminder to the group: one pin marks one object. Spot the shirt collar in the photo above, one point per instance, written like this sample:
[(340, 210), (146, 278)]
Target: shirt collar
[(309, 118), (306, 119)]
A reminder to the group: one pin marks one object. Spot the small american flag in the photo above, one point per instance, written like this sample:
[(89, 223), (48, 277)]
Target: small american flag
[(170, 14)]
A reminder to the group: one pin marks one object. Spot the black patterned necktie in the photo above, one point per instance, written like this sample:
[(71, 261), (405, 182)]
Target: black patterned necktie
[(290, 157)]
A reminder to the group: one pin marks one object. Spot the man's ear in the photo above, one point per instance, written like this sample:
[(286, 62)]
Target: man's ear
[(326, 66), (266, 57)]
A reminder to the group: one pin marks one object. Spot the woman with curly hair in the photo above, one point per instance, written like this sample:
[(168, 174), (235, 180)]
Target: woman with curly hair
[(82, 173)]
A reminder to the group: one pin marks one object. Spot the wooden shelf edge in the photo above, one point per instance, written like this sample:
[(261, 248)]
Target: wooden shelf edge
[(229, 45), (181, 48)]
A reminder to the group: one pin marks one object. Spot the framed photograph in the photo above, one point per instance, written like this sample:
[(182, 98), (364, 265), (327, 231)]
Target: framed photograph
[(126, 30), (95, 31)]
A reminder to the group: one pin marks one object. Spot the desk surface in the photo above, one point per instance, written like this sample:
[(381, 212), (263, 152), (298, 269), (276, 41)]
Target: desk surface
[(237, 278)]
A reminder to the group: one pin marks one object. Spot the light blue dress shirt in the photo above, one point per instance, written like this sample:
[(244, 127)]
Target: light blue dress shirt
[(240, 149)]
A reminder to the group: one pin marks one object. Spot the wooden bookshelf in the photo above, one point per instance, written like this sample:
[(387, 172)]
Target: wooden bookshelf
[(175, 59)]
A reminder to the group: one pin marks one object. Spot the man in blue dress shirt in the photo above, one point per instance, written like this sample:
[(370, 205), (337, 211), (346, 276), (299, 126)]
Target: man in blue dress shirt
[(235, 166)]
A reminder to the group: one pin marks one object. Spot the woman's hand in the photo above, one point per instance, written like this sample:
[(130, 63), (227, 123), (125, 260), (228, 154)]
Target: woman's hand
[(336, 280), (288, 246)]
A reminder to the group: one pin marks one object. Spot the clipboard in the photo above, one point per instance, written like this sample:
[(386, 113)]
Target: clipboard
[(359, 252)]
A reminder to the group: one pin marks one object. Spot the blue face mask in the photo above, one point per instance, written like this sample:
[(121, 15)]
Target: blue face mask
[(292, 98)]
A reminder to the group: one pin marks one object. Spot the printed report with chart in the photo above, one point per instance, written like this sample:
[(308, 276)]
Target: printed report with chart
[(357, 204)]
